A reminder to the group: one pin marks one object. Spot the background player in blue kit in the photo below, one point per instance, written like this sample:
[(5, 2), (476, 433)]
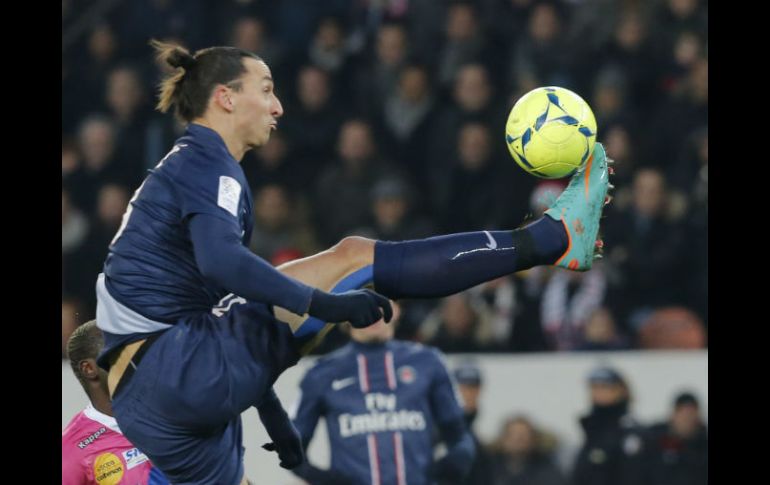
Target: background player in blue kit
[(197, 328), (382, 400)]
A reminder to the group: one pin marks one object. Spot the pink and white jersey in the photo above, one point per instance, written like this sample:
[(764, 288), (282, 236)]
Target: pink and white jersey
[(95, 452)]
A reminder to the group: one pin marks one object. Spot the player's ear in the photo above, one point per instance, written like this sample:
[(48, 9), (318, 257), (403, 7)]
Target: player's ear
[(223, 97), (89, 369)]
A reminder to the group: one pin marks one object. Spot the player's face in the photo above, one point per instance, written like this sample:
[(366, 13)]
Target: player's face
[(256, 106), (607, 394), (470, 394)]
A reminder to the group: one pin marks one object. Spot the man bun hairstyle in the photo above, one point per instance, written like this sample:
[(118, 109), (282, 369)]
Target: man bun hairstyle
[(188, 88)]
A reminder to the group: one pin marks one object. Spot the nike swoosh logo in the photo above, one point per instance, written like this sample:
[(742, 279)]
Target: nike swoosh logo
[(492, 244), (339, 384)]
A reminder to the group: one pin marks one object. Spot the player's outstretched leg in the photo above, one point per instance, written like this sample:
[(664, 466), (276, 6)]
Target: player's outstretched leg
[(442, 265)]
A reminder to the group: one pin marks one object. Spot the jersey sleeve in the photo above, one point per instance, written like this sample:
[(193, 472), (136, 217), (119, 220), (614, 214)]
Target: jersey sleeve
[(72, 471), (445, 400), (210, 188), (309, 407)]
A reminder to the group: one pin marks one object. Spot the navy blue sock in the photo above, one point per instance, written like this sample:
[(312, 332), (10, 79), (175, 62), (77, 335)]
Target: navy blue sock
[(443, 265)]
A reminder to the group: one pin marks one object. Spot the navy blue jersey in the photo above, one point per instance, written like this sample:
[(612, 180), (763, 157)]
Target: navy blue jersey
[(382, 404), (151, 278)]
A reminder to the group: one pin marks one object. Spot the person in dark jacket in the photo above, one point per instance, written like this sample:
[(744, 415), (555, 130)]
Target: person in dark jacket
[(678, 447), (613, 450)]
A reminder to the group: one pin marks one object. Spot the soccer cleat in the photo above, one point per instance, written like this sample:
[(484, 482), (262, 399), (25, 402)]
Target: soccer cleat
[(579, 208)]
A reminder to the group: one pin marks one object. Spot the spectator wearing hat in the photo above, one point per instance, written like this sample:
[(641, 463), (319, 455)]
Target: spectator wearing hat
[(678, 448), (612, 451), (469, 381)]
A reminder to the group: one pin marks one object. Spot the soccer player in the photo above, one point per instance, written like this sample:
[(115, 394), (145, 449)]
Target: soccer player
[(93, 450), (382, 400), (198, 328)]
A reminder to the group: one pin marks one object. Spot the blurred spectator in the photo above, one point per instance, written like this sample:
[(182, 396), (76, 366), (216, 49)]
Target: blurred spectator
[(469, 384), (477, 190), (685, 111), (528, 332), (601, 333), (672, 328), (680, 60), (426, 23), (613, 451), (692, 164), (458, 325), (464, 42), (645, 249), (343, 189), (278, 225), (504, 20), (274, 163), (678, 447), (313, 123), (112, 201), (408, 117), (610, 95), (112, 205), (328, 49), (250, 34), (70, 158), (378, 77), (675, 16), (393, 217), (96, 143), (499, 296), (471, 101), (542, 51), (630, 51), (620, 147), (523, 456), (568, 301), (84, 75), (127, 103)]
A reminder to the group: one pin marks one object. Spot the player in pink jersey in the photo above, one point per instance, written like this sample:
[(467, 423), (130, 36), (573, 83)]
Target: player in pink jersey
[(93, 450)]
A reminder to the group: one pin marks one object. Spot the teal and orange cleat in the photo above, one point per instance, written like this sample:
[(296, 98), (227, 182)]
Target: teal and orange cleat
[(579, 208)]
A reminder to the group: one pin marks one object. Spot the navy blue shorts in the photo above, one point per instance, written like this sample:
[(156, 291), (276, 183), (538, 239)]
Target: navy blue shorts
[(183, 404)]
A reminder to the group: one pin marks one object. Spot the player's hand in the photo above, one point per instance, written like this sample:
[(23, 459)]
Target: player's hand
[(359, 307), (289, 448)]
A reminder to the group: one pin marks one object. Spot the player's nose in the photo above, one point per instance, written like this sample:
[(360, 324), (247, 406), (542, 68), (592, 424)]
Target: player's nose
[(276, 109)]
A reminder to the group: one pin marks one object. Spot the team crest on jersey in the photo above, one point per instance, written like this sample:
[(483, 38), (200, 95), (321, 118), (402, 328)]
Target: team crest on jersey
[(108, 469), (407, 374)]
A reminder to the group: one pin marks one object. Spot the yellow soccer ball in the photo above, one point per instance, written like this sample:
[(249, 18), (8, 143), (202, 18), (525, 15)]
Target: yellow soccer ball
[(551, 132)]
